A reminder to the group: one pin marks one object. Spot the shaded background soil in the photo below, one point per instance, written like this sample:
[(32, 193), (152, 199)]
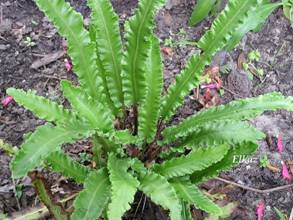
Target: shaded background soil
[(21, 19)]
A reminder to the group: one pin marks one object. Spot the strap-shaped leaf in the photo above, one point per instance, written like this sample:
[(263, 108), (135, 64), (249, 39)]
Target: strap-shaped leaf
[(223, 132), (45, 140), (123, 187), (185, 81), (189, 193), (214, 40), (220, 32), (94, 112), (149, 111), (62, 163), (102, 73), (91, 202), (255, 18), (161, 192), (109, 46), (138, 29), (80, 48), (236, 110), (198, 159), (201, 11), (231, 159), (40, 106)]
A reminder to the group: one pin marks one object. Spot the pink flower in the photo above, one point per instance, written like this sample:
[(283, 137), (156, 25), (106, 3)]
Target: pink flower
[(6, 101), (259, 210), (211, 86), (280, 144), (67, 65), (285, 172)]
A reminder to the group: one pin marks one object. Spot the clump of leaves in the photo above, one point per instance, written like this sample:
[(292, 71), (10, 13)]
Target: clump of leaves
[(29, 42), (118, 105)]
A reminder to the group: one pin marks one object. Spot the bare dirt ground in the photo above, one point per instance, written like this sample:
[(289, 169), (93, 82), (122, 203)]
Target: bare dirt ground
[(21, 19)]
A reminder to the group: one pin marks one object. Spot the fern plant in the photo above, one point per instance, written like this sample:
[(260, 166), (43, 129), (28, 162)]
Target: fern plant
[(118, 106)]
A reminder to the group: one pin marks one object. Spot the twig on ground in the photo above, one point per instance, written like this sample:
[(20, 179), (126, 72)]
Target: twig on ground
[(230, 91), (253, 189), (49, 77), (47, 59)]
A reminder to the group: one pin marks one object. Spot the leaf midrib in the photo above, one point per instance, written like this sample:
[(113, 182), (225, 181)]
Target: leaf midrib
[(117, 70), (133, 62), (87, 72)]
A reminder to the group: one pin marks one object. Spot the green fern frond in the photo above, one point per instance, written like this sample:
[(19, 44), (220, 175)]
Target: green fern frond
[(229, 19), (161, 192), (149, 111), (123, 187), (254, 18), (185, 81), (214, 40), (45, 140), (94, 112), (230, 160), (223, 132), (237, 110), (91, 202), (40, 106), (102, 73), (60, 162), (192, 195), (196, 160), (138, 30), (80, 48), (109, 46), (201, 11)]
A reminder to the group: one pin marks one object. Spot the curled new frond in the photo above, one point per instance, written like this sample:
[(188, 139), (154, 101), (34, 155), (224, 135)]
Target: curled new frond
[(138, 30), (196, 160), (236, 111), (161, 192), (80, 48)]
